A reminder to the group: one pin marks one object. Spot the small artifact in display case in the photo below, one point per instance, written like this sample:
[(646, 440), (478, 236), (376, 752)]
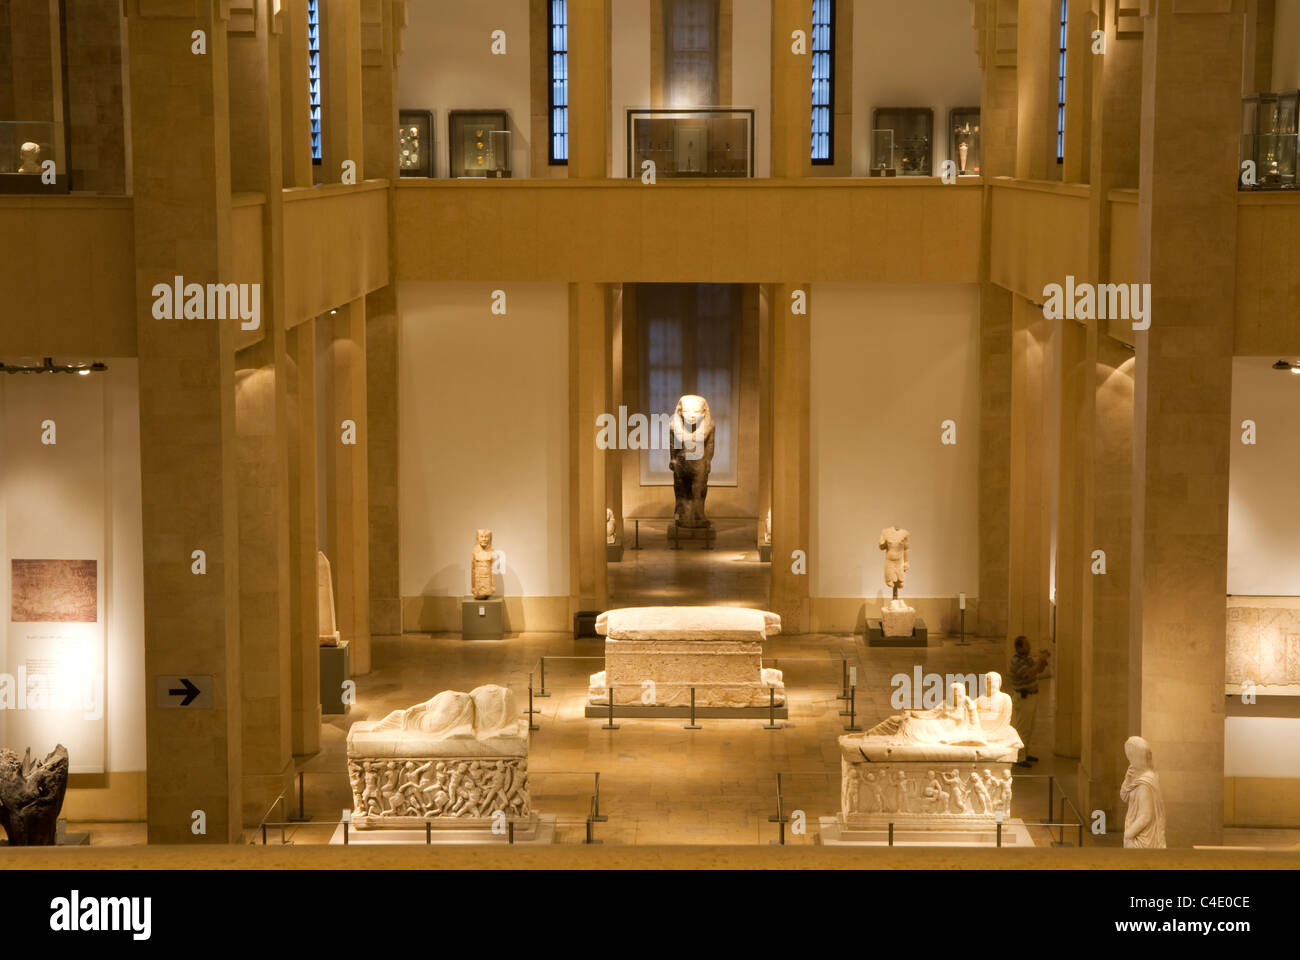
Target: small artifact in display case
[(912, 129), (964, 140), (31, 157), (415, 143), (1268, 140), (882, 154), (480, 143), (691, 143)]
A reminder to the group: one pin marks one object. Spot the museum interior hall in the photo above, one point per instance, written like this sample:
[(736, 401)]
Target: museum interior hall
[(603, 425)]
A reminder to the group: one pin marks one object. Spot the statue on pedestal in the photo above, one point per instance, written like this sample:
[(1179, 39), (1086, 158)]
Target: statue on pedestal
[(691, 457), (481, 566), (1144, 823), (897, 618), (29, 158), (611, 527)]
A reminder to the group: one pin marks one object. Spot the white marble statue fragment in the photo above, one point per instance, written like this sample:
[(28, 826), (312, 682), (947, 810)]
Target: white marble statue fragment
[(654, 656), (29, 158), (611, 527), (456, 760), (328, 629), (951, 761), (767, 528), (1144, 822), (480, 566), (691, 457), (896, 617)]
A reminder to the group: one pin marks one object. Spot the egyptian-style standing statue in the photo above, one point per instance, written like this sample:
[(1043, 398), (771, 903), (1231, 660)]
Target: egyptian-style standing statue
[(691, 458)]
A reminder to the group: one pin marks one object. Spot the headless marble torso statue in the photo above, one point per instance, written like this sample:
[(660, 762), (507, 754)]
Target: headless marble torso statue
[(895, 543)]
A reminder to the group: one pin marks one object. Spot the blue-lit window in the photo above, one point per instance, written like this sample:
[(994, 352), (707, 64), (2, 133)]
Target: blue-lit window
[(1060, 93), (823, 81), (558, 55), (313, 72)]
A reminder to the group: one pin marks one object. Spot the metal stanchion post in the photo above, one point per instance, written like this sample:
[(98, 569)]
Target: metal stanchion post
[(692, 725), (532, 712), (345, 832), (610, 724), (428, 833), (771, 711), (510, 832), (844, 678), (999, 834), (543, 692), (891, 833), (853, 710), (263, 833), (597, 816), (302, 801)]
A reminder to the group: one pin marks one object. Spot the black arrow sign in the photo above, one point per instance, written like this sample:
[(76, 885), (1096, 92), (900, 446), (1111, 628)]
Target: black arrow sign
[(188, 691)]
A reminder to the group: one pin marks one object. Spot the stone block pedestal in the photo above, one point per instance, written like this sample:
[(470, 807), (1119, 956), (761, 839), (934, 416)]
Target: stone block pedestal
[(482, 619)]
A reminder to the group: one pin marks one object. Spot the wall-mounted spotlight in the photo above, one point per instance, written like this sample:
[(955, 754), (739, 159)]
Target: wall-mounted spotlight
[(1287, 365), (49, 366)]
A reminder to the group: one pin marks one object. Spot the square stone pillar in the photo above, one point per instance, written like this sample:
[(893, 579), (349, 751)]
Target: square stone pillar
[(341, 120), (295, 106), (589, 142), (1187, 251), (347, 460), (1037, 55), (1105, 677), (180, 121), (791, 354), (304, 624), (995, 460), (791, 90), (589, 364)]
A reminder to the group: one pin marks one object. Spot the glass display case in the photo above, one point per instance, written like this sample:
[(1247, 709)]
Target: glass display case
[(691, 143), (480, 143), (1269, 139), (964, 140), (26, 149), (913, 133), (415, 143)]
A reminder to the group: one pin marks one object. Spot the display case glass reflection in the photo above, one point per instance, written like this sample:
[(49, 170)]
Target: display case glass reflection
[(1269, 136), (964, 140), (910, 132), (480, 143), (415, 143), (691, 143)]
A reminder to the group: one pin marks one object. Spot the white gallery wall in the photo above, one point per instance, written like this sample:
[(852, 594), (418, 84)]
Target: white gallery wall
[(484, 406), (447, 64), (751, 74), (915, 54), (889, 364), (74, 500), (629, 52), (1263, 522)]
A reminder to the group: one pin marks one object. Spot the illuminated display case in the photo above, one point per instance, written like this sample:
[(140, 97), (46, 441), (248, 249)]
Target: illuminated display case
[(415, 143), (1268, 139), (691, 143), (964, 140), (479, 143), (26, 148), (912, 133)]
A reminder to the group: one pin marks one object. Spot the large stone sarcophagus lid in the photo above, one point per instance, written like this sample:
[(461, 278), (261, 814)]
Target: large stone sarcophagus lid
[(456, 760)]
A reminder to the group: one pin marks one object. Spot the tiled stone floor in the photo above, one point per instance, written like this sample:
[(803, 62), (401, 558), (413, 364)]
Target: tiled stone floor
[(659, 783)]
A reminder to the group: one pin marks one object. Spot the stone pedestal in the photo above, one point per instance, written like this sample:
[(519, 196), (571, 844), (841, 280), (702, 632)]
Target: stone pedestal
[(877, 637), (704, 535), (897, 621), (482, 619), (613, 552), (654, 656), (335, 671), (765, 553)]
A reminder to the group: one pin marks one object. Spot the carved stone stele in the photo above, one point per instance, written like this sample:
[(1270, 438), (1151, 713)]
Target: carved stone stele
[(31, 796), (456, 760), (480, 566), (329, 628)]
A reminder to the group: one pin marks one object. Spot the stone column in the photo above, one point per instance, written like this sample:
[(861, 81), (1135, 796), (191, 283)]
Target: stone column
[(180, 121), (1191, 101), (791, 479), (1105, 647), (1030, 535), (791, 90), (341, 119), (1037, 55), (589, 346), (1074, 540), (303, 538), (589, 142), (379, 95), (349, 548), (295, 108)]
